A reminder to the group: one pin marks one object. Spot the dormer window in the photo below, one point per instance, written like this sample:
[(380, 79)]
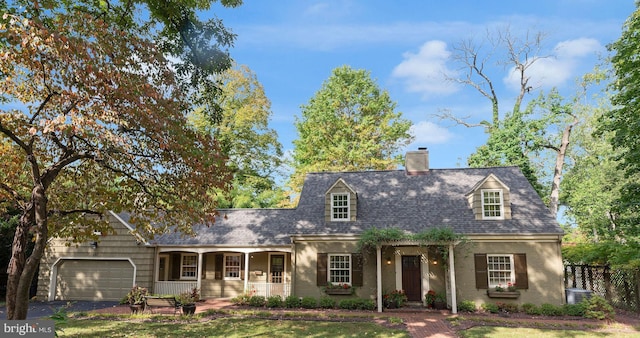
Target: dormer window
[(340, 207), (492, 204)]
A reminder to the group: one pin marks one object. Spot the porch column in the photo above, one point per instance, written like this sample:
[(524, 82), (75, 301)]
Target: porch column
[(379, 276), (452, 277), (199, 269), (246, 272)]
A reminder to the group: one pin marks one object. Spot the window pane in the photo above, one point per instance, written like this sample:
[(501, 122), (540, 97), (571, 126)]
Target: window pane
[(340, 206), (232, 266), (500, 270), (340, 269)]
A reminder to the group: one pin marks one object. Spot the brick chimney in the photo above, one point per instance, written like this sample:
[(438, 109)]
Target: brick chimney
[(417, 162)]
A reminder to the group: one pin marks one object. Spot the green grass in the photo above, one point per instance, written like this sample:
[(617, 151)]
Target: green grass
[(508, 332), (225, 327)]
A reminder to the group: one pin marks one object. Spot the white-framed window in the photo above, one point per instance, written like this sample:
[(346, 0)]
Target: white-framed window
[(492, 205), (188, 266), (339, 269), (500, 269), (339, 207), (232, 266)]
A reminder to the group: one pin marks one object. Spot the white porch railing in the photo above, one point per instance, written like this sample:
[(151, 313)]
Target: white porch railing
[(270, 289), (173, 287)]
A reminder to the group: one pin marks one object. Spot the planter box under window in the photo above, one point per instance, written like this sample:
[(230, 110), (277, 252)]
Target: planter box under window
[(338, 291), (503, 294)]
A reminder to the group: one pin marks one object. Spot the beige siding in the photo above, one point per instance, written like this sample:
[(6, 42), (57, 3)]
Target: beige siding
[(544, 268), (341, 188), (476, 197), (121, 245), (306, 259)]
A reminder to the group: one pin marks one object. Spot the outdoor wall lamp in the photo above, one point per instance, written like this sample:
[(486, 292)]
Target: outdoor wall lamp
[(388, 260), (93, 245)]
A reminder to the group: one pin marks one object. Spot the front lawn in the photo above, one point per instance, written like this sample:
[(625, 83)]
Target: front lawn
[(508, 332), (224, 327)]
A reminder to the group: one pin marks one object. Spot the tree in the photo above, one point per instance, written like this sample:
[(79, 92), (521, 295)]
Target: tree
[(623, 121), (97, 122), (253, 149), (350, 124)]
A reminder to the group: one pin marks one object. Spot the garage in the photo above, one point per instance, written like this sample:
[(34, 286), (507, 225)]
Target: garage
[(91, 279)]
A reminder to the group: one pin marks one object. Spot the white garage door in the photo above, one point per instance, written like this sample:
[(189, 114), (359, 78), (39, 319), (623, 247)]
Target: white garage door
[(93, 279)]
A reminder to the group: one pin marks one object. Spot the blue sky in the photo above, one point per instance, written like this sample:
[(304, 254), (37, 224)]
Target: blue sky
[(292, 47)]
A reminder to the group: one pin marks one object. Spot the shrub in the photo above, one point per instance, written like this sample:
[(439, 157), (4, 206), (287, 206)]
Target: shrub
[(531, 309), (242, 299), (598, 308), (292, 302), (308, 303), (467, 306), (507, 307), (348, 304), (551, 310), (366, 304), (257, 301), (575, 309), (274, 301), (327, 302), (490, 307)]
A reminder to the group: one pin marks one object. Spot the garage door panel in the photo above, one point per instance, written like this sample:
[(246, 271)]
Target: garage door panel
[(93, 279)]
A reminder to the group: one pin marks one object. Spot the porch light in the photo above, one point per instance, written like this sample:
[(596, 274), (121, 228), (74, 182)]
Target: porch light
[(435, 262), (388, 260)]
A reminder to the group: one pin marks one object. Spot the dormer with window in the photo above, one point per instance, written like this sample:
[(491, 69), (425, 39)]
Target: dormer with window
[(490, 199), (340, 203)]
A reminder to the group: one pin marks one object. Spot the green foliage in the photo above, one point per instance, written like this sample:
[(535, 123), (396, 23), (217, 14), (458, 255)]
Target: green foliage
[(309, 302), (292, 302), (357, 304), (597, 307), (327, 302), (274, 301), (490, 307), (547, 309), (360, 128), (577, 310), (531, 309), (618, 255), (257, 301), (467, 306), (372, 237), (60, 317), (242, 299), (136, 295)]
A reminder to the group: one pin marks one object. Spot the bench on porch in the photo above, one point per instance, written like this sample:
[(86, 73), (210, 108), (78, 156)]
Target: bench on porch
[(161, 302)]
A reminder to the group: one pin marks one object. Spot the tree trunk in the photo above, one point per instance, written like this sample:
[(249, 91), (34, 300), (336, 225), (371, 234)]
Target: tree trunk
[(22, 269), (557, 171)]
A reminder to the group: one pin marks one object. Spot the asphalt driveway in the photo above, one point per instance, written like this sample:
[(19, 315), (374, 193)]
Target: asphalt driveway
[(46, 309)]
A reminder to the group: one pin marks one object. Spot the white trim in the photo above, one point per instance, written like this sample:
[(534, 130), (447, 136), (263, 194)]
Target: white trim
[(221, 248), (350, 267), (54, 270), (332, 206), (199, 272), (501, 193), (379, 276), (224, 265), (340, 180), (182, 256), (398, 270), (452, 278), (246, 272)]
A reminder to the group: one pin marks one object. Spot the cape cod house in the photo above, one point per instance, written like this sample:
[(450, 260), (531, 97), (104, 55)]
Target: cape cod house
[(510, 238)]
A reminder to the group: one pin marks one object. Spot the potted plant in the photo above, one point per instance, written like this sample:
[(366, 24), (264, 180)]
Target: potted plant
[(510, 291), (395, 299), (429, 298), (440, 301), (136, 297), (188, 301), (338, 289)]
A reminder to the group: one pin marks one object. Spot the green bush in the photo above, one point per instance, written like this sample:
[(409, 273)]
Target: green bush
[(531, 309), (507, 307), (357, 304), (467, 306), (292, 302), (575, 309), (327, 302), (242, 299), (551, 310), (309, 303), (348, 304), (598, 308), (257, 301), (366, 304), (274, 301), (490, 307)]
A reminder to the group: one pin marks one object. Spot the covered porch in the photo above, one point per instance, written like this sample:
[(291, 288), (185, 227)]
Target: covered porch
[(223, 272)]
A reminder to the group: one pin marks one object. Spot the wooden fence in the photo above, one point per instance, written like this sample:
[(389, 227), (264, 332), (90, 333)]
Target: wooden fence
[(618, 286)]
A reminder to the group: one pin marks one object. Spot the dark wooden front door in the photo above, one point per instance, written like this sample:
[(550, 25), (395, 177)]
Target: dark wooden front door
[(411, 277)]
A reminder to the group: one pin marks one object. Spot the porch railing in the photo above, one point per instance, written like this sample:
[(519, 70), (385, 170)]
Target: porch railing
[(173, 287), (271, 289)]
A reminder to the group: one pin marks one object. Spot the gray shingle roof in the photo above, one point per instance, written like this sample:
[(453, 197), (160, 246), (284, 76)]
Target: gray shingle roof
[(385, 199)]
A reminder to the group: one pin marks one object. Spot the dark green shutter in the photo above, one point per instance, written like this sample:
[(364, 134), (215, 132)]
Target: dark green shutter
[(482, 279), (522, 279), (321, 268), (356, 269)]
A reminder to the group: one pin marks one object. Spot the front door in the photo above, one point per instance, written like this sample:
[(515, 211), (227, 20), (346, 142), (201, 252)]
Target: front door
[(276, 270), (411, 277), (163, 269)]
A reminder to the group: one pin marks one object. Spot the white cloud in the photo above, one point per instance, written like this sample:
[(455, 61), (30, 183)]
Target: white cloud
[(429, 133), (426, 71), (556, 70)]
